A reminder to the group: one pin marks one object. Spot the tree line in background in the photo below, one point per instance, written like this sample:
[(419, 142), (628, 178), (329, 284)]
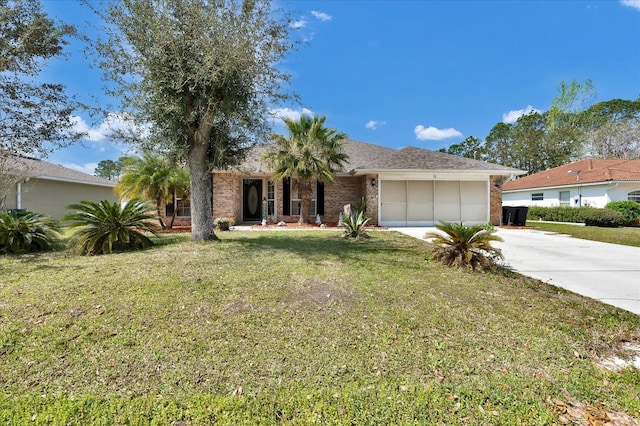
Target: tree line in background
[(539, 141)]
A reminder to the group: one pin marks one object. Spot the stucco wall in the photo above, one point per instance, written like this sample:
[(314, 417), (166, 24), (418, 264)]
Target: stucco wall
[(52, 197), (586, 195)]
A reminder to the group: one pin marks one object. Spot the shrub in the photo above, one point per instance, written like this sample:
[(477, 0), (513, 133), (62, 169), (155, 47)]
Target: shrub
[(355, 225), (26, 232), (629, 209), (106, 227), (465, 246), (223, 223), (558, 214), (604, 218)]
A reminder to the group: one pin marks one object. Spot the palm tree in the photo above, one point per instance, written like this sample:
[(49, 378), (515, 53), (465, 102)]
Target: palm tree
[(310, 152), (465, 245), (180, 187), (152, 177)]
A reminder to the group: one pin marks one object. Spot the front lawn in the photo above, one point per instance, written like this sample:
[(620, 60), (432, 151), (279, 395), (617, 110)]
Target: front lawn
[(282, 327), (628, 236)]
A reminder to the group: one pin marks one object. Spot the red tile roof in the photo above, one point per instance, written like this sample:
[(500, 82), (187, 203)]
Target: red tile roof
[(590, 170)]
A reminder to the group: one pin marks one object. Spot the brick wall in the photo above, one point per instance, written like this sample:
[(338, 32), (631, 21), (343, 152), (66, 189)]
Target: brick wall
[(227, 195), (371, 195), (495, 194), (343, 190)]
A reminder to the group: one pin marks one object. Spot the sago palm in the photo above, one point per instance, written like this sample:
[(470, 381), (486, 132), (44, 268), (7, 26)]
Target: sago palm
[(465, 245), (26, 232), (310, 152), (106, 227)]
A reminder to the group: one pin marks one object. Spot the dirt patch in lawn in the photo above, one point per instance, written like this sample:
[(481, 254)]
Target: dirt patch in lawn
[(625, 354), (319, 293)]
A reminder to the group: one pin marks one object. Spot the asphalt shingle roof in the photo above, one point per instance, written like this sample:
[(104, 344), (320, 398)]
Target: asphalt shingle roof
[(591, 170), (35, 168), (370, 157)]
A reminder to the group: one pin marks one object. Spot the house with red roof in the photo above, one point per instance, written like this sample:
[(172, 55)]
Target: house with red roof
[(401, 187), (590, 182)]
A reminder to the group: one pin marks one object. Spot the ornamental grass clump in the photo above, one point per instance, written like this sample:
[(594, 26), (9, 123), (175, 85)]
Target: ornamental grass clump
[(465, 246), (105, 227), (27, 232)]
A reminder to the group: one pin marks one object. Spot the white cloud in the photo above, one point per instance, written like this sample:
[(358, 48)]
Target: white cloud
[(512, 116), (115, 122), (88, 168), (434, 134), (321, 15), (301, 23), (282, 113), (631, 3), (374, 124), (81, 126)]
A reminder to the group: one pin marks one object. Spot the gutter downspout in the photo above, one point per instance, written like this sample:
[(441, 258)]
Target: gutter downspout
[(615, 185), (19, 195)]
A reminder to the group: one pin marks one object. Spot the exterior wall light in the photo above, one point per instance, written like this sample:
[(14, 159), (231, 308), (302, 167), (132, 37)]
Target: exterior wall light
[(373, 182)]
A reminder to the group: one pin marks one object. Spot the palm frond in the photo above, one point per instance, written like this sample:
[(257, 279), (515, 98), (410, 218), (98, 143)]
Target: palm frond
[(465, 246), (106, 227)]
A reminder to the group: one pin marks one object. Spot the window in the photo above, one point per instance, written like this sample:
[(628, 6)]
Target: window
[(295, 199), (565, 198), (183, 207), (271, 199), (634, 196), (537, 196)]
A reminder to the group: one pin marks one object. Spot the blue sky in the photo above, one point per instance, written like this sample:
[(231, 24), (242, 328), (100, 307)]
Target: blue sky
[(421, 73)]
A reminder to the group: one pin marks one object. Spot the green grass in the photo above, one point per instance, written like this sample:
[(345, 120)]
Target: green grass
[(628, 236), (296, 328)]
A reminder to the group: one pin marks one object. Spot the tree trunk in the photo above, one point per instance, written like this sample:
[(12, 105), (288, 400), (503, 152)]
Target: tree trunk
[(173, 218), (201, 186), (306, 192), (159, 211)]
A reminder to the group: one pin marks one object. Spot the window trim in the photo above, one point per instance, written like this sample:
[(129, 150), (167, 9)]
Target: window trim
[(634, 196), (180, 207), (566, 202), (295, 202)]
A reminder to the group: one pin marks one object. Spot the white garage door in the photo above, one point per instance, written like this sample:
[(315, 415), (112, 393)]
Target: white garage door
[(425, 203)]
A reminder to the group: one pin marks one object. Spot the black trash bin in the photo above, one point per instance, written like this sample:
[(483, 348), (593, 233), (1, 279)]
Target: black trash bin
[(521, 216), (515, 216), (508, 215)]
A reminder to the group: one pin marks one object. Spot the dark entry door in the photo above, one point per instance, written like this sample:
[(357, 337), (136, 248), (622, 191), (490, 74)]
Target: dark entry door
[(251, 199)]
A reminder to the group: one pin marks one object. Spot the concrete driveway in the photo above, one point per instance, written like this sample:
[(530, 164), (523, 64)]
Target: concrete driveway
[(606, 272)]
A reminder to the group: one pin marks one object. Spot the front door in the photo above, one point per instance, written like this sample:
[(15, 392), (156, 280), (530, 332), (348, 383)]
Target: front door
[(252, 200)]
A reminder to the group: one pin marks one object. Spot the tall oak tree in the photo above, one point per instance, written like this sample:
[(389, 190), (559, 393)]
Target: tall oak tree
[(201, 75)]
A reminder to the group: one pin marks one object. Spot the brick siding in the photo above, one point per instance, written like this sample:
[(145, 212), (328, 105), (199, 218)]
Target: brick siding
[(495, 201)]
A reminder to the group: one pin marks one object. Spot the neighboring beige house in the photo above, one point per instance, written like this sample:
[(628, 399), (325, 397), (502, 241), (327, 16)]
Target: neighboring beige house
[(48, 188), (406, 187), (591, 182)]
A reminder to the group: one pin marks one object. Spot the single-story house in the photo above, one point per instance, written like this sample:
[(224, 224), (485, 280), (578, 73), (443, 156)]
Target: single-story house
[(591, 182), (47, 188), (401, 187)]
